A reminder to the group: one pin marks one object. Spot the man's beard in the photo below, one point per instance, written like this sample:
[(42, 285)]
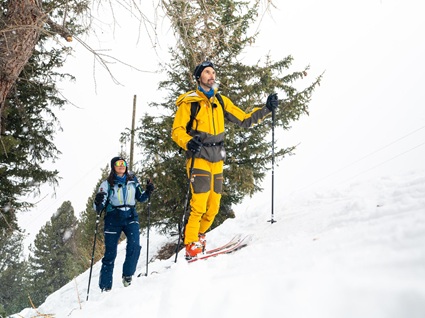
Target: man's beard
[(212, 85)]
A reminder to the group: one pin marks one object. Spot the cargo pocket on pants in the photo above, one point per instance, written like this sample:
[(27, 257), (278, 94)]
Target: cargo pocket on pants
[(218, 183), (201, 181)]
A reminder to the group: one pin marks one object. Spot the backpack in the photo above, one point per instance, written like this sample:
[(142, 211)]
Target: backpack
[(194, 110), (130, 176)]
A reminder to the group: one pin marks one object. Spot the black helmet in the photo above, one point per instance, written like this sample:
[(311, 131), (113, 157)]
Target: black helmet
[(199, 68)]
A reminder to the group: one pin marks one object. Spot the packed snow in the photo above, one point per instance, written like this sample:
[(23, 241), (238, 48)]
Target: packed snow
[(344, 252)]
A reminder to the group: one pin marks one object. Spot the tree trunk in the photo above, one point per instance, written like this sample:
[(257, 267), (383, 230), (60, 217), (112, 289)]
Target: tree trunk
[(19, 33)]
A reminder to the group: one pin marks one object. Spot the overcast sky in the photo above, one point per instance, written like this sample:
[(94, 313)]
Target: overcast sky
[(368, 114)]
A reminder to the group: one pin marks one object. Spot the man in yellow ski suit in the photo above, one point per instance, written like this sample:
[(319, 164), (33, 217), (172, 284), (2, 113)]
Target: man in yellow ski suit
[(205, 142)]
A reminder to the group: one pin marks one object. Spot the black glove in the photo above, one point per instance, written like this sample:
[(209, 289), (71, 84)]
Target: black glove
[(194, 144), (149, 187), (272, 102), (98, 200)]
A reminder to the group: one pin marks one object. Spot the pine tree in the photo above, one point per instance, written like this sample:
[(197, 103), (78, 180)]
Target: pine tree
[(28, 96), (217, 30), (52, 263), (31, 125), (22, 32), (86, 228), (12, 273)]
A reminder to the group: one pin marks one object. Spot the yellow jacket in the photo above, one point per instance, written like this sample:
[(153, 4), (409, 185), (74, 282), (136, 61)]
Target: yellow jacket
[(209, 123)]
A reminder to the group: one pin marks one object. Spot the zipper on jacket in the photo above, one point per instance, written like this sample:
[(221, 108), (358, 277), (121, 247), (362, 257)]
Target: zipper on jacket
[(123, 194), (212, 112), (120, 195)]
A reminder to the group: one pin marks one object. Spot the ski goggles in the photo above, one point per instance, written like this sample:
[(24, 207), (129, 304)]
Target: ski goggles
[(207, 64), (120, 163)]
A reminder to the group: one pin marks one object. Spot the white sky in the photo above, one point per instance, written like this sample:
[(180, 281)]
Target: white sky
[(367, 115)]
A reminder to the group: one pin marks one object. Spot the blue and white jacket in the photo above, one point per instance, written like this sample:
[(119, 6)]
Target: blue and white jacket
[(122, 196)]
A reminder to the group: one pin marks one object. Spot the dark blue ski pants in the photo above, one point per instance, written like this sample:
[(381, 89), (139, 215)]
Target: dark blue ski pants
[(114, 225)]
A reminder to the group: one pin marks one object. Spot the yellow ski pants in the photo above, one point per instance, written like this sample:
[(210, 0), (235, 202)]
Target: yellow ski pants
[(206, 186)]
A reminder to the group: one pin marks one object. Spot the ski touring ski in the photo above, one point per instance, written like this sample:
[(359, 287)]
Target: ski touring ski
[(235, 240), (236, 243), (233, 245)]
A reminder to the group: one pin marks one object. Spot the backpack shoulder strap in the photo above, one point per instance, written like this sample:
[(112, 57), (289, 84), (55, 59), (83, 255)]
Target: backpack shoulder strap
[(194, 109), (220, 100), (110, 192)]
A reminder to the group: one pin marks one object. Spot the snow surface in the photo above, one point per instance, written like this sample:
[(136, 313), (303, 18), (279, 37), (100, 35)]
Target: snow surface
[(356, 251)]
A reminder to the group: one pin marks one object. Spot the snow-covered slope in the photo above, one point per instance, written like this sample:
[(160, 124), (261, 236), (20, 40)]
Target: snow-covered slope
[(352, 252)]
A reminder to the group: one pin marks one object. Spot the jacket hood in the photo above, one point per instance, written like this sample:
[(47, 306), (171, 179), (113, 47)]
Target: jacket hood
[(188, 97), (192, 96)]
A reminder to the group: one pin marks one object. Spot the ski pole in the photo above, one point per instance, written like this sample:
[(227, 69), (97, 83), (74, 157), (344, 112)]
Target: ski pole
[(147, 236), (92, 255), (182, 223), (272, 220)]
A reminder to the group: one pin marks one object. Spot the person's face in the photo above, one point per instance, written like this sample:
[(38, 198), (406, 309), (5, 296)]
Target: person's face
[(120, 167), (207, 78)]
